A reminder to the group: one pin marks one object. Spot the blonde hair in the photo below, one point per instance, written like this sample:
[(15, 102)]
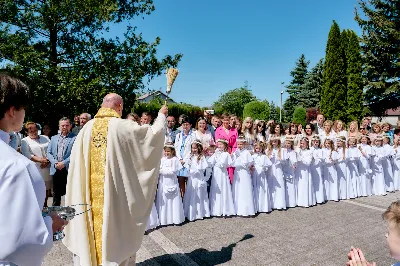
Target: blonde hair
[(392, 214), (29, 123), (248, 130), (270, 148), (332, 146), (356, 126), (330, 123), (337, 122), (377, 125)]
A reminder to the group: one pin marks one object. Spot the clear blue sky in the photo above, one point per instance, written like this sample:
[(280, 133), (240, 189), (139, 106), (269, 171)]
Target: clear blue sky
[(226, 42)]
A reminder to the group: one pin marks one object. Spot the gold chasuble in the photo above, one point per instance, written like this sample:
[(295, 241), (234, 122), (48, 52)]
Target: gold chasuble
[(98, 148), (114, 167)]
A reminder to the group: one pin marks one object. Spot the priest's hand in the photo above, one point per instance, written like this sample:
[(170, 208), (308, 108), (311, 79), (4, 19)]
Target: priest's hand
[(164, 110), (58, 222)]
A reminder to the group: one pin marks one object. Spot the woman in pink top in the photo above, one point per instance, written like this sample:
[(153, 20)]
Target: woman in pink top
[(229, 133)]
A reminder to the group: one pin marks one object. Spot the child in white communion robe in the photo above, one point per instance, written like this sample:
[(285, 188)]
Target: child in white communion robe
[(195, 202), (262, 196), (169, 200), (221, 200), (364, 167), (242, 186)]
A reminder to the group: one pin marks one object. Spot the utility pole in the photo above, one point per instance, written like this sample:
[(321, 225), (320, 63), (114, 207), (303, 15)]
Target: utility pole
[(280, 109)]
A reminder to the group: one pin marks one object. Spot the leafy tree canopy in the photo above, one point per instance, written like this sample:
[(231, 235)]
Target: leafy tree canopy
[(60, 50), (257, 110), (299, 116), (233, 101)]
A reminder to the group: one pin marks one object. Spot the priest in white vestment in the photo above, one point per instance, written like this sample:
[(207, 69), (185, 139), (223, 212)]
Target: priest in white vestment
[(114, 168), (25, 235)]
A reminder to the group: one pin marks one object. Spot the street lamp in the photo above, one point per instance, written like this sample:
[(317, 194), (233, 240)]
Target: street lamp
[(280, 110)]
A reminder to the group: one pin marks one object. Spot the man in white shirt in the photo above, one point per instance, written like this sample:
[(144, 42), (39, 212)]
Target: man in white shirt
[(25, 235), (319, 126)]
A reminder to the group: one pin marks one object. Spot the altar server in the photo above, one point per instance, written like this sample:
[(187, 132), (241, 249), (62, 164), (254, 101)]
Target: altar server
[(364, 166), (169, 201), (289, 166), (276, 179), (242, 187), (262, 196), (221, 200), (195, 203), (331, 183), (316, 169), (305, 189), (25, 236)]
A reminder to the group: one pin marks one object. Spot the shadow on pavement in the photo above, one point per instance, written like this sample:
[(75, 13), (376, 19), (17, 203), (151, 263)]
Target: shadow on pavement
[(201, 256)]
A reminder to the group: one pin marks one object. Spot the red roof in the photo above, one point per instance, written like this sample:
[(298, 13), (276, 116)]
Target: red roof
[(395, 112)]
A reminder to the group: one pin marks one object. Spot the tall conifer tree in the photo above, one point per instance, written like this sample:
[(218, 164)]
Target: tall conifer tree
[(380, 26), (333, 98), (298, 74), (355, 100), (310, 94)]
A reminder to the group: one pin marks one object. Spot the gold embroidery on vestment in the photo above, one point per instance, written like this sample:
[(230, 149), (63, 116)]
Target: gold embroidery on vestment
[(98, 152)]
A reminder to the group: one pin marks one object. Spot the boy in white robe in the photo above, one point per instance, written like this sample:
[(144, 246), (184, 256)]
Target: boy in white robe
[(25, 235)]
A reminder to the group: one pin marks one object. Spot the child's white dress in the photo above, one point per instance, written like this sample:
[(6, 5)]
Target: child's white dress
[(242, 187), (316, 169), (364, 170), (153, 221), (276, 180), (169, 201), (288, 165), (353, 156), (387, 167), (221, 200), (330, 174), (396, 168), (305, 189), (195, 202), (262, 197), (378, 178)]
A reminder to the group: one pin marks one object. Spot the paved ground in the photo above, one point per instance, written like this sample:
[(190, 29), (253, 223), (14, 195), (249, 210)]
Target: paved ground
[(321, 235)]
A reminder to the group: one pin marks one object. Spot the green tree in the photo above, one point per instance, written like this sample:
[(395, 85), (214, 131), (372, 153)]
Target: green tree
[(298, 75), (274, 112), (234, 101), (257, 110), (299, 116), (380, 25), (333, 96), (60, 50), (310, 93), (355, 99)]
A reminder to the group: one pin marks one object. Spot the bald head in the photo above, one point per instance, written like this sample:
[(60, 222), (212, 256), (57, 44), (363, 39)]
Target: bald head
[(113, 101)]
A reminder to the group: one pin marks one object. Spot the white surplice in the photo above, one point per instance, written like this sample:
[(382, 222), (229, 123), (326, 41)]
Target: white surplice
[(242, 185), (195, 202), (25, 236), (30, 148), (262, 196), (221, 199), (153, 221)]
